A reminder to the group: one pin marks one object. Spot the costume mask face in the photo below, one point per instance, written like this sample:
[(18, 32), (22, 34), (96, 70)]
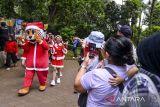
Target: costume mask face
[(30, 35)]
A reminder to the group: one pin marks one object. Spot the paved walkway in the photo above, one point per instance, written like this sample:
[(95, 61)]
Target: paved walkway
[(59, 96)]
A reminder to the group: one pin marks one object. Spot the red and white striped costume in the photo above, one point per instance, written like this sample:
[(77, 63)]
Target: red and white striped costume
[(58, 55)]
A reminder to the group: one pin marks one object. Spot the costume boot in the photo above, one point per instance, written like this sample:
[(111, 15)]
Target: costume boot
[(23, 91), (42, 87)]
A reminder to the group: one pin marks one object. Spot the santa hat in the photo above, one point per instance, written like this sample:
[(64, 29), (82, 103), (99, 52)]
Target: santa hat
[(37, 26)]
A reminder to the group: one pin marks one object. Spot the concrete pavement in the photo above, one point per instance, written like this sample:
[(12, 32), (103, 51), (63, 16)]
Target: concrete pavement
[(59, 96)]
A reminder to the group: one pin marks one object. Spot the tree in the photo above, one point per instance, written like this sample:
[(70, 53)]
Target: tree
[(147, 32), (80, 17), (151, 12), (130, 12), (155, 16), (112, 16), (7, 8), (152, 17), (83, 15), (32, 10)]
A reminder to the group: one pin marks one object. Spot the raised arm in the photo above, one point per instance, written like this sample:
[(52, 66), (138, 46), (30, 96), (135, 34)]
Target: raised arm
[(129, 74), (44, 44)]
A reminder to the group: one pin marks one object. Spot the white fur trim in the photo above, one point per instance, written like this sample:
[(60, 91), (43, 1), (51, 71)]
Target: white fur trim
[(58, 58), (64, 51), (23, 58), (32, 27), (38, 69), (51, 46), (34, 55), (41, 42), (60, 44), (57, 66), (23, 62)]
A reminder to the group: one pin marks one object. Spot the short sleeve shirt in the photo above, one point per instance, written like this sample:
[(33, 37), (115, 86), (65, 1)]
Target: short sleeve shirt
[(101, 93)]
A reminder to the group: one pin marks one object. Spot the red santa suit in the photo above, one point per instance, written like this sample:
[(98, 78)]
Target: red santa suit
[(59, 52), (23, 58), (36, 56), (36, 60)]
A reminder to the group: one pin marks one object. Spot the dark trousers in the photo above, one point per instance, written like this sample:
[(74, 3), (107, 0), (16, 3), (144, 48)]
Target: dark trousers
[(11, 56), (75, 51), (2, 45)]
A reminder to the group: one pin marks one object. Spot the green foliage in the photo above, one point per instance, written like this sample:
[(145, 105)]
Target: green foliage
[(67, 33), (156, 16), (150, 31), (136, 34), (112, 15), (7, 8), (29, 10), (152, 15), (83, 15), (131, 11), (80, 17)]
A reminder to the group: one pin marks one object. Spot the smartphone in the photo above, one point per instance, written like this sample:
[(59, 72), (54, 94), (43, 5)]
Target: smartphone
[(92, 50)]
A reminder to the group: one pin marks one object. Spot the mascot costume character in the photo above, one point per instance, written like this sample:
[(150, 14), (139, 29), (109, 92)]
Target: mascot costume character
[(36, 57)]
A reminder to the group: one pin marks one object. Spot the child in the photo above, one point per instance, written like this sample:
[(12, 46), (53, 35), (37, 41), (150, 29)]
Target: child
[(11, 50), (57, 59), (50, 43)]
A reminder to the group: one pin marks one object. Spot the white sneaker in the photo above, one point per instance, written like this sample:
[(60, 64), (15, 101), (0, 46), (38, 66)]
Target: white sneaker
[(61, 74), (58, 80), (8, 69), (53, 83)]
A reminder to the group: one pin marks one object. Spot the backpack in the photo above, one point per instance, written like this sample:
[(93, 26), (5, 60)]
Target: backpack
[(147, 93), (82, 100), (113, 73)]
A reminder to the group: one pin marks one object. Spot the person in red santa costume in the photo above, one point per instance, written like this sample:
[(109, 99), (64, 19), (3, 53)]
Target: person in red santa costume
[(58, 53), (36, 57), (21, 43)]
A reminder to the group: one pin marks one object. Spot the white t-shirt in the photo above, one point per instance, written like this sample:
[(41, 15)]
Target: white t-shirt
[(100, 92)]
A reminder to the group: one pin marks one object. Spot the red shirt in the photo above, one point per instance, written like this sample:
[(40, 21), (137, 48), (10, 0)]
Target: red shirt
[(11, 47)]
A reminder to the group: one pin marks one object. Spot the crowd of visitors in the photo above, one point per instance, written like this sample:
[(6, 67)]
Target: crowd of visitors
[(112, 73), (112, 78)]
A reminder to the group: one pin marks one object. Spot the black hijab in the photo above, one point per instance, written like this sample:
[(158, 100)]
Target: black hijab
[(148, 53)]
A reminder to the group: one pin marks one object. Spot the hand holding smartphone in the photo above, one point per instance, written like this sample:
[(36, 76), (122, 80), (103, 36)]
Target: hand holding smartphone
[(92, 50)]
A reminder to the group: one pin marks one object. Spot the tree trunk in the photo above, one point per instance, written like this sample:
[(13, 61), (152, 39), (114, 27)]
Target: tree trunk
[(151, 13), (52, 8)]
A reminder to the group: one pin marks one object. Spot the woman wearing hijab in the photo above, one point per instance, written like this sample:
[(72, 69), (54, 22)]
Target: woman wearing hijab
[(143, 90)]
